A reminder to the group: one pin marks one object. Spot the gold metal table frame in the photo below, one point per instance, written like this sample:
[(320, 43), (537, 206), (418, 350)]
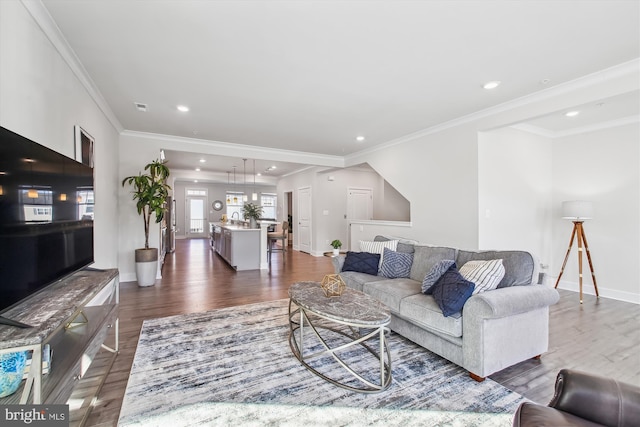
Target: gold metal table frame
[(297, 346)]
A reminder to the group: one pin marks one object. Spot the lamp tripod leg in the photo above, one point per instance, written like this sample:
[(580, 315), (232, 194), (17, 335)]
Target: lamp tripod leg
[(579, 233), (564, 264), (586, 247)]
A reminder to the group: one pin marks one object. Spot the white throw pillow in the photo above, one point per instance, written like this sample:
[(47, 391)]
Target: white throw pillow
[(485, 274)]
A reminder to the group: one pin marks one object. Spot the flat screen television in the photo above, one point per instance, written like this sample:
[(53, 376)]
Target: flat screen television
[(46, 218)]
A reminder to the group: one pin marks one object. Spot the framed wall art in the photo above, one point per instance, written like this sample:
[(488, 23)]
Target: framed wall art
[(84, 146)]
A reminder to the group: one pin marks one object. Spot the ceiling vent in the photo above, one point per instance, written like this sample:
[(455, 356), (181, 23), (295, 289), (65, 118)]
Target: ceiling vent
[(140, 106)]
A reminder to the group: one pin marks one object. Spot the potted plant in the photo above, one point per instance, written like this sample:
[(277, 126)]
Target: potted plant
[(150, 191), (336, 244), (252, 212)]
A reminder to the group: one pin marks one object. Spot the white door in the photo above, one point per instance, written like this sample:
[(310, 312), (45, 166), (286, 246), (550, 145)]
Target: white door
[(304, 219), (359, 203), (196, 226)]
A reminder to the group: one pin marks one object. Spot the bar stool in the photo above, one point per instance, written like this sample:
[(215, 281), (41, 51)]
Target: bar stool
[(272, 238)]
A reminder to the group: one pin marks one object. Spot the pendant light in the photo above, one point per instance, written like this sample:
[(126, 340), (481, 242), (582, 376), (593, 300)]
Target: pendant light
[(244, 190), (32, 193), (254, 195), (228, 198), (235, 196), (63, 196)]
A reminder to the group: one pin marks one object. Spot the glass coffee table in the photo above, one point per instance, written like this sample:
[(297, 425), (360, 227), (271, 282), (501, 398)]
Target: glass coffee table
[(352, 319)]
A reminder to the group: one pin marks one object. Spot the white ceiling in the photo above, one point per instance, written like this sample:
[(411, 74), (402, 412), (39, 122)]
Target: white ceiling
[(310, 76)]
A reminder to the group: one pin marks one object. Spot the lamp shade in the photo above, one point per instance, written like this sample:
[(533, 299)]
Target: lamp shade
[(577, 210)]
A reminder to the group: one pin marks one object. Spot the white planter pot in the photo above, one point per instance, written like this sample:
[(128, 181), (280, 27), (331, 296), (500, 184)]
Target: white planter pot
[(336, 252), (146, 266)]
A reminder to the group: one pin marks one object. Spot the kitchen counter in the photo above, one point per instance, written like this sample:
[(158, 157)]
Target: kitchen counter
[(242, 247)]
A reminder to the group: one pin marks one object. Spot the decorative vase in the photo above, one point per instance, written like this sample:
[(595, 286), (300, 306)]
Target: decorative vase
[(253, 223), (146, 266), (336, 252), (332, 285), (11, 371)]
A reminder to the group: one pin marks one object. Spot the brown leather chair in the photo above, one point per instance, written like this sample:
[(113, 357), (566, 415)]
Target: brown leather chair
[(583, 399)]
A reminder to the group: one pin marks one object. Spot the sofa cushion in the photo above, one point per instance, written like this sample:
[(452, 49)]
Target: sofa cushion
[(404, 245), (451, 291), (425, 257), (423, 310), (395, 264), (519, 266), (355, 280), (436, 273), (362, 262), (391, 291), (486, 275)]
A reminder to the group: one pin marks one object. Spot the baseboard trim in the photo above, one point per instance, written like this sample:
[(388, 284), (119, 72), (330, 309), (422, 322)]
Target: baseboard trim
[(588, 289)]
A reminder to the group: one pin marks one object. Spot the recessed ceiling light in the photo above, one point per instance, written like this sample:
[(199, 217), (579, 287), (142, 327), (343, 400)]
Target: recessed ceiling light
[(197, 169), (183, 108), (259, 174), (492, 85), (359, 138), (140, 106), (572, 113), (202, 160)]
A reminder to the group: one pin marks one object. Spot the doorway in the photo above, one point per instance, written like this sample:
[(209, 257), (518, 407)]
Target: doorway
[(304, 219), (195, 217)]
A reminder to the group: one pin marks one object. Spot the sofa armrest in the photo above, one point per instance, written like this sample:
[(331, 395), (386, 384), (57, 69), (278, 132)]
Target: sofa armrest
[(504, 302), (338, 262), (598, 399)]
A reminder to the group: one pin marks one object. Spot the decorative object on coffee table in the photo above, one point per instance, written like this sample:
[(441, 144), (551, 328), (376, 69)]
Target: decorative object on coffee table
[(357, 319), (578, 212), (333, 285)]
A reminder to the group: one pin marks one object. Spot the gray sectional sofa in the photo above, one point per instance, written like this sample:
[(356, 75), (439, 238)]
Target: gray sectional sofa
[(494, 330)]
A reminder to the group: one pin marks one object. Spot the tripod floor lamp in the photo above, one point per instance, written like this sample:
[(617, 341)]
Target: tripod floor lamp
[(578, 212)]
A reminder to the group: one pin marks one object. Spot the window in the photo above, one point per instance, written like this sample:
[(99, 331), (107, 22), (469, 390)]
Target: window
[(193, 192), (234, 205), (269, 201)]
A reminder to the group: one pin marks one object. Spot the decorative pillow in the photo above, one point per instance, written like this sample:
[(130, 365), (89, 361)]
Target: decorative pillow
[(451, 291), (434, 274), (361, 262), (485, 274), (377, 247), (395, 264)]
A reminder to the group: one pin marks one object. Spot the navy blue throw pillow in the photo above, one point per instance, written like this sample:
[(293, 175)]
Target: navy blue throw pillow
[(361, 262), (451, 291)]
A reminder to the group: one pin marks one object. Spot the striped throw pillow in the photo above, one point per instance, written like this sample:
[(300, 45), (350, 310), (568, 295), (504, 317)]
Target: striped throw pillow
[(378, 247), (485, 274)]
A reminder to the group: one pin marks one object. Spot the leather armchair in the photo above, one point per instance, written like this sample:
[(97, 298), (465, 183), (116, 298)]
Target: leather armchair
[(583, 399)]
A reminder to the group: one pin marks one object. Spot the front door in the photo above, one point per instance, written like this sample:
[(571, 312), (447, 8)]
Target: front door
[(304, 219), (195, 217)]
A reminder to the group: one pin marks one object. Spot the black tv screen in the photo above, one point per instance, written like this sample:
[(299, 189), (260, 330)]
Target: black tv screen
[(46, 217)]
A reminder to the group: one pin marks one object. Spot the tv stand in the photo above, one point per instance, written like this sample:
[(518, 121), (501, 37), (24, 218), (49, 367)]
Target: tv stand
[(76, 317), (9, 322)]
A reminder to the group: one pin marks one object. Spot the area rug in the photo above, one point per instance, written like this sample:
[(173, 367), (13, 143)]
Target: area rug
[(234, 366)]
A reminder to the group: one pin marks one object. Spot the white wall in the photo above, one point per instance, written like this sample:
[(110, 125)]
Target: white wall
[(42, 99), (602, 167), (514, 192)]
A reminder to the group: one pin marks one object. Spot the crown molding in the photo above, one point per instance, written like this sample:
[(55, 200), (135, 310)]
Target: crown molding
[(537, 130), (43, 18), (207, 146), (617, 71)]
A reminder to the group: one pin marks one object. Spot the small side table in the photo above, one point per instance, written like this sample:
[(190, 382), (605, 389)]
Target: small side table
[(331, 255)]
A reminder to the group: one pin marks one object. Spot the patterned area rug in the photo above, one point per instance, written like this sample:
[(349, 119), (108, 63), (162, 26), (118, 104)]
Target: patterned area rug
[(234, 366)]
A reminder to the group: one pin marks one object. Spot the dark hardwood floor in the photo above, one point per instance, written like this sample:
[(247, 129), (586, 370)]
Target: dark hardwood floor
[(600, 336)]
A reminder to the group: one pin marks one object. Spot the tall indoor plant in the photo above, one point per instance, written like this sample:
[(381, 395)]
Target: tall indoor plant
[(252, 212), (150, 191)]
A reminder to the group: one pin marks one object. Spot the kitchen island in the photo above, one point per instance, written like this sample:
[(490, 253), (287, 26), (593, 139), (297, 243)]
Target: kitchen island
[(242, 247)]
